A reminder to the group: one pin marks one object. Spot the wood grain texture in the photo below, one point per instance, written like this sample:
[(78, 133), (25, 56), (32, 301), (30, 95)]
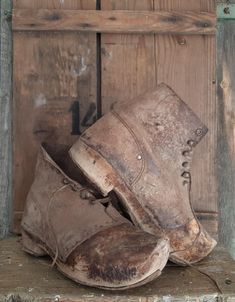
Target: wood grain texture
[(210, 223), (55, 4), (134, 64), (5, 118), (183, 5), (226, 129), (114, 21), (25, 278), (54, 94), (127, 60)]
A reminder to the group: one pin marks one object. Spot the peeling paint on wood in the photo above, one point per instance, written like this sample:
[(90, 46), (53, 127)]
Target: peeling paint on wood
[(226, 11)]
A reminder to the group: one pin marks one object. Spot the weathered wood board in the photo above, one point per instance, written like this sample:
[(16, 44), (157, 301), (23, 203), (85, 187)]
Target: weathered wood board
[(5, 117), (54, 93), (132, 64), (114, 21), (25, 278), (226, 145)]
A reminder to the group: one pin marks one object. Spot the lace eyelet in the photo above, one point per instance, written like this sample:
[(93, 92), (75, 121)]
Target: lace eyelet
[(185, 164), (199, 132), (85, 194), (191, 143), (186, 175), (65, 181), (186, 153)]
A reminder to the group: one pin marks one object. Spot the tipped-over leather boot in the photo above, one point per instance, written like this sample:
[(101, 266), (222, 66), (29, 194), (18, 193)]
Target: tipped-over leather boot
[(142, 150), (88, 239)]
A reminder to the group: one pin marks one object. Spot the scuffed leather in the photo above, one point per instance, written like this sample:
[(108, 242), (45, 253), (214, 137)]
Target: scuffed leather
[(57, 215), (148, 141)]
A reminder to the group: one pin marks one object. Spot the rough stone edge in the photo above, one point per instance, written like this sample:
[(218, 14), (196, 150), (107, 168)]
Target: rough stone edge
[(5, 117)]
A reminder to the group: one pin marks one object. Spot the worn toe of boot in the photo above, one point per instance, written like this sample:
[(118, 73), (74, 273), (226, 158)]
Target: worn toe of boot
[(118, 258), (196, 249)]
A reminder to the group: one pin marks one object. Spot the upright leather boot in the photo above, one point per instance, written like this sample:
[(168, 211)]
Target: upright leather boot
[(88, 239), (142, 150)]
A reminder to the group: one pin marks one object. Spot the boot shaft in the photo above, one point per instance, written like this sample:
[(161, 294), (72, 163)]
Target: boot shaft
[(164, 122)]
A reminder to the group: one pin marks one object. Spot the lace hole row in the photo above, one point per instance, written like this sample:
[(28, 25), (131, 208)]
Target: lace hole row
[(186, 175), (185, 164)]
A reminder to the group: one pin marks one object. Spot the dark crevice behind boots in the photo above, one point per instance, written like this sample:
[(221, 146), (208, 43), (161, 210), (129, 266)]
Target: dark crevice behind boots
[(90, 243), (142, 150)]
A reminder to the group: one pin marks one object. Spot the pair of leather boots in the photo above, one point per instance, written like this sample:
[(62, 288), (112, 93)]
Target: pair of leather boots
[(140, 152)]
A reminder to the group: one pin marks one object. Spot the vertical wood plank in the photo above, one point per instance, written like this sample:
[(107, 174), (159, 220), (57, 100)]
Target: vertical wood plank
[(127, 60), (54, 93), (5, 117), (185, 5), (226, 130), (187, 64)]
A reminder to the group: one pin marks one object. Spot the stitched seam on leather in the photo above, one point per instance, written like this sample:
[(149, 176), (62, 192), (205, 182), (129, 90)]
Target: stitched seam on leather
[(137, 143)]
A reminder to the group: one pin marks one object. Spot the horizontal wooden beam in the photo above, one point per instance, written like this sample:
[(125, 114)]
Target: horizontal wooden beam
[(114, 21)]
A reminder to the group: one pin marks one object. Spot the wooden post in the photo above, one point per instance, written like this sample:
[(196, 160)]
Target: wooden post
[(5, 116), (226, 129)]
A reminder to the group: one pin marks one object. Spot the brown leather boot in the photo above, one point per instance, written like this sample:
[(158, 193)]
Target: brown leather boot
[(88, 239), (142, 150)]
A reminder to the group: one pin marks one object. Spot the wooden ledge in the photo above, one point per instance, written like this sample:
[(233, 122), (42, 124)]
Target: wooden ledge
[(114, 21), (25, 278)]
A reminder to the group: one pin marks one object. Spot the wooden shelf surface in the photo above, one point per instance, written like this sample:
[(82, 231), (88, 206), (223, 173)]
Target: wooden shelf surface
[(25, 278)]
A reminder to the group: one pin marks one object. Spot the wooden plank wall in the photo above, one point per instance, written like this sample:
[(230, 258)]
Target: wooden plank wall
[(226, 129), (55, 76), (5, 117), (54, 89), (132, 64)]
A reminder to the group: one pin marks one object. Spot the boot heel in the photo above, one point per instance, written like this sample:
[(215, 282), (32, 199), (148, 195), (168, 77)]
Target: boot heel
[(104, 177), (100, 173), (31, 247)]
